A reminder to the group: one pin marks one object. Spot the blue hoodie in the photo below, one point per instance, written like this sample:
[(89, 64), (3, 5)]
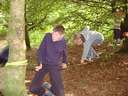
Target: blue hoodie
[(52, 53)]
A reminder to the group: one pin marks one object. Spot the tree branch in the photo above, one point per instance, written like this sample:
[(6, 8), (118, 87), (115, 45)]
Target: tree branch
[(36, 24)]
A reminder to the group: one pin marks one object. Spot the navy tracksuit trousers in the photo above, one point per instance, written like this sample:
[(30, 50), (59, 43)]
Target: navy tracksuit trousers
[(55, 78)]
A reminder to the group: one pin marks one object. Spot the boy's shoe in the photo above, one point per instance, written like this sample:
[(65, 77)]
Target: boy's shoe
[(46, 85), (118, 42), (89, 60)]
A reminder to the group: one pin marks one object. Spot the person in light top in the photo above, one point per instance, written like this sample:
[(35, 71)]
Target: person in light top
[(89, 39)]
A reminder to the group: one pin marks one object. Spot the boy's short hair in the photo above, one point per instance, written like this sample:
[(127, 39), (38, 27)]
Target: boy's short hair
[(59, 28), (82, 37), (79, 36)]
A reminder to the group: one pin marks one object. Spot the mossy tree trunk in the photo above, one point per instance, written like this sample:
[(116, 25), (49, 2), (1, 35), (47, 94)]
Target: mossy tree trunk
[(15, 69)]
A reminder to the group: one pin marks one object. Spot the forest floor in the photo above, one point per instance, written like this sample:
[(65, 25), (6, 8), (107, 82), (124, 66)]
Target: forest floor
[(106, 76)]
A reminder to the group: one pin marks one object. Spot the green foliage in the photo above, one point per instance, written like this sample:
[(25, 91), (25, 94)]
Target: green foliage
[(3, 24), (4, 10), (42, 15), (36, 37)]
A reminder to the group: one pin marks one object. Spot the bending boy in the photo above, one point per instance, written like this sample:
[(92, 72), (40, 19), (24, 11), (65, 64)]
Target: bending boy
[(89, 39)]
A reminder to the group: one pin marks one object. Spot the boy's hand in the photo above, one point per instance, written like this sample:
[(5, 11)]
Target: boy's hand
[(63, 66), (82, 61), (37, 68)]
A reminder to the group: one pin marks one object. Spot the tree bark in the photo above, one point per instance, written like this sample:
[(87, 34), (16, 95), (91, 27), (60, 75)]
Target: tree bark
[(14, 71)]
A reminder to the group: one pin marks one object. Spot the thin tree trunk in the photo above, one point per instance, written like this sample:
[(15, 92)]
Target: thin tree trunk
[(15, 69), (27, 39)]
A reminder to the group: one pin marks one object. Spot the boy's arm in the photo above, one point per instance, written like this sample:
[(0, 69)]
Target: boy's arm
[(41, 51)]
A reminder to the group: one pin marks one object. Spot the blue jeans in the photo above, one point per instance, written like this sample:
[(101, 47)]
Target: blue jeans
[(91, 52)]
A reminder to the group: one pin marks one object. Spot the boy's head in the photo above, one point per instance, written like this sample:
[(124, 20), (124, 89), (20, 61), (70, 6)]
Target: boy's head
[(79, 39), (58, 33)]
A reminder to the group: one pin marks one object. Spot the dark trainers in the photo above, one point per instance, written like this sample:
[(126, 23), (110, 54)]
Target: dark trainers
[(46, 85)]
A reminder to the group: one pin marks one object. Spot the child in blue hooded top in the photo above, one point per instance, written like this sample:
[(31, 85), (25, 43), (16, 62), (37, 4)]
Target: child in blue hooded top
[(52, 57)]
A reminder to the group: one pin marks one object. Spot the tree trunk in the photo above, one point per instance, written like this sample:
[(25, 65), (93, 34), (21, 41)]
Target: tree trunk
[(27, 39), (14, 71)]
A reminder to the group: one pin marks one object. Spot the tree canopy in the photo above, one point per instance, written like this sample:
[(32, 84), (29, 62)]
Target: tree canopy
[(41, 15)]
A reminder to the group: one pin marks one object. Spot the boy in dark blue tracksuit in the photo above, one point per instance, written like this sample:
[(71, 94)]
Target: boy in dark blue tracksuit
[(52, 57)]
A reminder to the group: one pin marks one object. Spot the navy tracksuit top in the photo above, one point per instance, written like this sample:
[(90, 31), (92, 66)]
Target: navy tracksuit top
[(52, 53)]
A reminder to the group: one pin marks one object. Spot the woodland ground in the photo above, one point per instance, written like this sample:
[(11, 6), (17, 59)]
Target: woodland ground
[(106, 76)]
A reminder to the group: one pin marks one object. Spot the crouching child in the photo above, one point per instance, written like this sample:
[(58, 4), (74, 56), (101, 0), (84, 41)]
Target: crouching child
[(89, 39)]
